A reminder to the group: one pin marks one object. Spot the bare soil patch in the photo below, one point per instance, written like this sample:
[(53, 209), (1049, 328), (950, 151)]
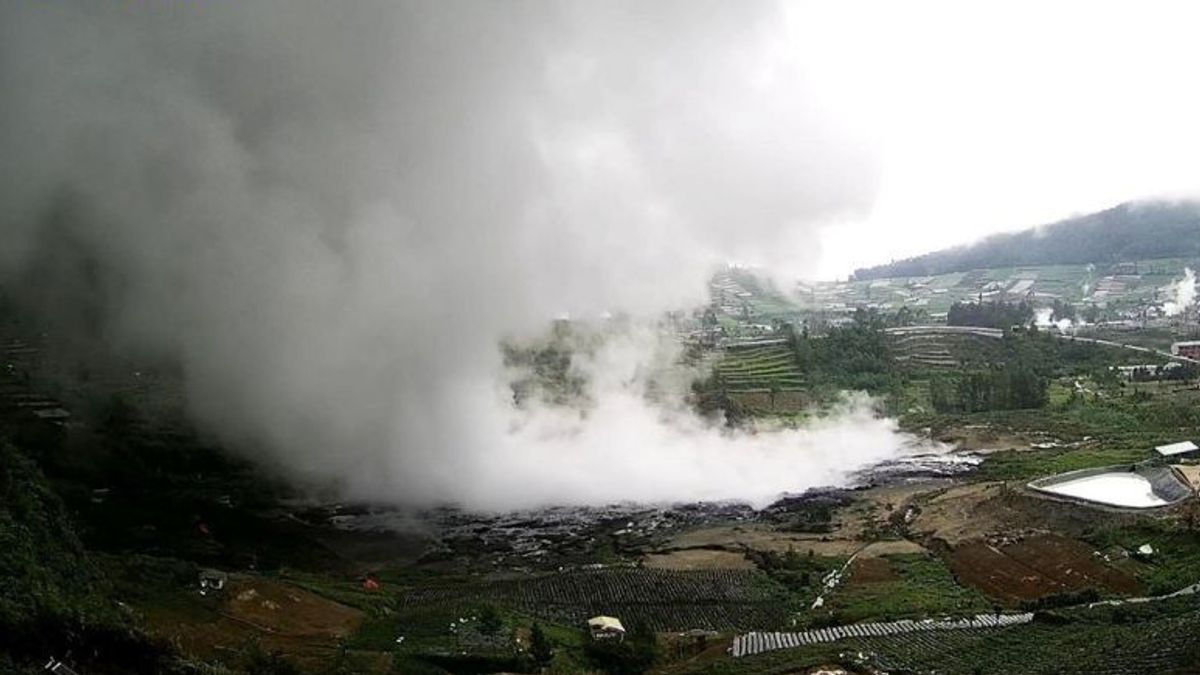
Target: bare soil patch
[(1035, 567), (871, 571), (279, 617), (757, 537), (1191, 472), (288, 610), (985, 439), (986, 510), (873, 510), (698, 559)]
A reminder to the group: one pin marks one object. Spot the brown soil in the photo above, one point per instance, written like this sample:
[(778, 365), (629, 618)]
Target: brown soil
[(979, 511), (288, 610), (737, 538), (961, 513), (279, 617), (1191, 472), (1035, 567), (872, 509), (871, 571), (983, 439), (698, 559)]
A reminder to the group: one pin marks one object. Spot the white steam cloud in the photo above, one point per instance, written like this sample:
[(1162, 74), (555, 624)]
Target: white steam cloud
[(1043, 317), (330, 213), (1185, 294)]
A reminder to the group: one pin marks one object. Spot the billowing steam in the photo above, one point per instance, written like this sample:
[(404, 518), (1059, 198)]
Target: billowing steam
[(331, 213), (1185, 294), (1043, 317)]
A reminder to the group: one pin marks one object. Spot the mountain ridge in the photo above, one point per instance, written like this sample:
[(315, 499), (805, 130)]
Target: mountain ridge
[(1136, 230)]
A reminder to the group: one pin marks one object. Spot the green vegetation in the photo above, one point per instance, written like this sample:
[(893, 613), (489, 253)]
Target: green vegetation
[(1131, 231), (919, 585), (540, 646), (996, 314), (853, 357), (1155, 638), (1011, 388), (1022, 465), (801, 575), (758, 367), (1175, 562), (662, 599), (55, 598), (543, 369), (632, 656)]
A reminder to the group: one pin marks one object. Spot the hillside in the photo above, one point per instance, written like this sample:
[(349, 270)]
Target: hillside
[(1130, 231)]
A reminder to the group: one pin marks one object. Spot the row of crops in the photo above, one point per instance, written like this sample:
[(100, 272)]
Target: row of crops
[(756, 643), (665, 600), (1163, 645), (759, 367), (1158, 646)]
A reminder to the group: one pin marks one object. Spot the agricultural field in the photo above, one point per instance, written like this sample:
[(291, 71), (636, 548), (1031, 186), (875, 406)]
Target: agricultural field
[(902, 586), (1150, 638), (1037, 567), (759, 368), (461, 592), (1120, 286), (665, 600)]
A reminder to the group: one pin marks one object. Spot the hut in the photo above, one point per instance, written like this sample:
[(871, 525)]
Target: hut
[(606, 628)]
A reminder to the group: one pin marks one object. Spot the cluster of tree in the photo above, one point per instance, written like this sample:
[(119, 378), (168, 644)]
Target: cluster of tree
[(1131, 231), (856, 356), (1177, 372), (1170, 414), (1062, 599), (543, 370), (632, 656), (795, 571), (713, 399), (995, 314), (1011, 387), (906, 316), (1061, 309), (55, 598)]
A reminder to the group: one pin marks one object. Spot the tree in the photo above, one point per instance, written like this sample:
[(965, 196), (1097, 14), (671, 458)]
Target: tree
[(773, 388), (540, 646), (635, 655), (994, 314), (490, 622), (1061, 309)]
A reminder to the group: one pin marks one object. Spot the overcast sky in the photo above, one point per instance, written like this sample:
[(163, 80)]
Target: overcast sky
[(990, 117)]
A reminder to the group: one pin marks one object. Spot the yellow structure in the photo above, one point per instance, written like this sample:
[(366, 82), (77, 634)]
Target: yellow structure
[(606, 628)]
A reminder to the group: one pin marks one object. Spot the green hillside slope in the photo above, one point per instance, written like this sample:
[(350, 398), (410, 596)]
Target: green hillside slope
[(1131, 231)]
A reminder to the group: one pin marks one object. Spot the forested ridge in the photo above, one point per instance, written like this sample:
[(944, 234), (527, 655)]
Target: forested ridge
[(1129, 231)]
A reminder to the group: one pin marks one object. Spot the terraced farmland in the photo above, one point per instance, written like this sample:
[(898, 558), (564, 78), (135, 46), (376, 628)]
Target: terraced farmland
[(1163, 645), (757, 643), (663, 599), (759, 367)]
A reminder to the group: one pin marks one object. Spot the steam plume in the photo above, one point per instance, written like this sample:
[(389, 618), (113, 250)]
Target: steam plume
[(1185, 294), (329, 214)]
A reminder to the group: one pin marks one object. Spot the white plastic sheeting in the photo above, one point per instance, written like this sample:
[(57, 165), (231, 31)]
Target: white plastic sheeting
[(1117, 489)]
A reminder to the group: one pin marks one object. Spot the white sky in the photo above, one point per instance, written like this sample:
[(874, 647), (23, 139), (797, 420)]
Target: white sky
[(1004, 116)]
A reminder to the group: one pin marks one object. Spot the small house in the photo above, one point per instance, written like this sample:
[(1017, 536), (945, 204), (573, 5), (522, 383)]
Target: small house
[(212, 580), (606, 628), (1180, 449)]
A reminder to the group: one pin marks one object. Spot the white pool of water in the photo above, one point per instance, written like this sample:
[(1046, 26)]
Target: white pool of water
[(1117, 489)]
